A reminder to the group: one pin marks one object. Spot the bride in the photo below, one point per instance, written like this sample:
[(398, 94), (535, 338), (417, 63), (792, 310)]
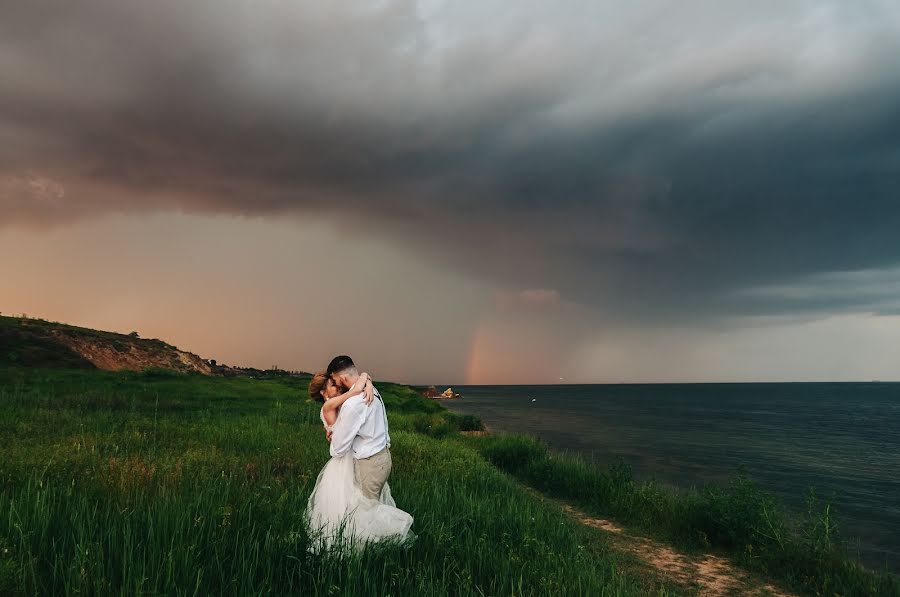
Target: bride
[(337, 510)]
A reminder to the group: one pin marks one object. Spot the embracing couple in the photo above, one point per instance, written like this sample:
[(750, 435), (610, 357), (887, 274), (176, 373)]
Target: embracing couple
[(351, 503)]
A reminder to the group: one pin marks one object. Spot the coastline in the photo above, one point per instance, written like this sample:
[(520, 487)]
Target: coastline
[(788, 438), (612, 490)]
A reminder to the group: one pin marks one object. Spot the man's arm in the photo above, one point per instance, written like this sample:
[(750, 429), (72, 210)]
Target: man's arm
[(352, 417)]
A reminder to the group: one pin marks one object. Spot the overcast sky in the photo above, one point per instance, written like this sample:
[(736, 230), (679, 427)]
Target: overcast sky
[(459, 192)]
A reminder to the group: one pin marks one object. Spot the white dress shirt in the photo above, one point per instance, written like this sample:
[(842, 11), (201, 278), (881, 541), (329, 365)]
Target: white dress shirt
[(360, 427)]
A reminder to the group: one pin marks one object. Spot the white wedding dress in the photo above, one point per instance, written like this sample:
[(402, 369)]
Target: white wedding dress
[(338, 512)]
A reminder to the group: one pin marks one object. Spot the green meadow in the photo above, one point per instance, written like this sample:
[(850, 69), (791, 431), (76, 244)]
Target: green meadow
[(159, 482)]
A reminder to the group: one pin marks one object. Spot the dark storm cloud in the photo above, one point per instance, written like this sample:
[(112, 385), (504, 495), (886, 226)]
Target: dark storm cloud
[(646, 161)]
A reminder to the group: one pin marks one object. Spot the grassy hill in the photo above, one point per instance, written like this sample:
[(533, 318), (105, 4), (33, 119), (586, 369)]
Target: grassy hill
[(37, 343)]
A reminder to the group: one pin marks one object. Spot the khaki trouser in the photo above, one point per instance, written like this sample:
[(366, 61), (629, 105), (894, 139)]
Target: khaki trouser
[(372, 473)]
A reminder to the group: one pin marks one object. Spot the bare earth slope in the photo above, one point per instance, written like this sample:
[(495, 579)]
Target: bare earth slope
[(39, 343)]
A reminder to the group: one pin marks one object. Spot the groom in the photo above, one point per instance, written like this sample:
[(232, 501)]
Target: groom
[(362, 428)]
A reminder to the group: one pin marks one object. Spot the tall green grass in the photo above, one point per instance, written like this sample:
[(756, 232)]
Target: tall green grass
[(741, 520), (170, 483)]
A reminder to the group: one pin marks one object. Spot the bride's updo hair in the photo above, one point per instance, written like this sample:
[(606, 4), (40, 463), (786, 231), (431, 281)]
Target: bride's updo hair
[(316, 385)]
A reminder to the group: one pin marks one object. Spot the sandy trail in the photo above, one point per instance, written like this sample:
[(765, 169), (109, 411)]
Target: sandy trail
[(707, 575)]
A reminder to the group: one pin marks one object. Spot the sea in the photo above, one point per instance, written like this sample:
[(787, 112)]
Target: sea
[(842, 439)]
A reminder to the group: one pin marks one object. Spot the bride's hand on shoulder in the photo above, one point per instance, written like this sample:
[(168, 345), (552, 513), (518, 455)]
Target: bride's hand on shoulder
[(359, 384), (365, 383)]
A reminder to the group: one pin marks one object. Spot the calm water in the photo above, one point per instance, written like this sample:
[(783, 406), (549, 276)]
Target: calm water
[(836, 437)]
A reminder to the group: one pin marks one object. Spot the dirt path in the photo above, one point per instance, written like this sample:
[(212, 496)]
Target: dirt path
[(707, 575)]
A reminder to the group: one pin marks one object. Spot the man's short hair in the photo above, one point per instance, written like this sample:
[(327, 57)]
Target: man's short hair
[(340, 364)]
